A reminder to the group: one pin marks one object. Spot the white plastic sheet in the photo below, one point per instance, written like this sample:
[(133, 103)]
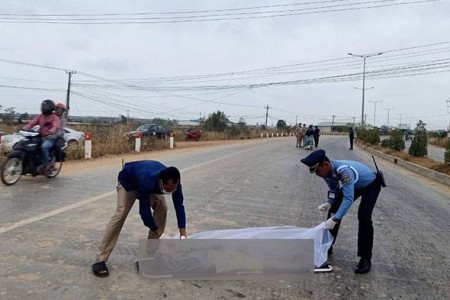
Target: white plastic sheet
[(321, 236)]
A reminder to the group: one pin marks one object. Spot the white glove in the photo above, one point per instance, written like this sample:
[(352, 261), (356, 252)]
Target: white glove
[(329, 224), (324, 207)]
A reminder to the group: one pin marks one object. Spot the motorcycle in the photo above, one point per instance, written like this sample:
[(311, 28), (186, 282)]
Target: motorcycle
[(193, 135), (26, 158)]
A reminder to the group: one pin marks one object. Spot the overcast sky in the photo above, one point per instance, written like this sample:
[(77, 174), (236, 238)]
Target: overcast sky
[(154, 69)]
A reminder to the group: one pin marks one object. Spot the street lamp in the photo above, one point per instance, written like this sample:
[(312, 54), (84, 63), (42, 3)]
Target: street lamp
[(375, 110), (448, 111), (364, 57), (400, 124), (388, 109)]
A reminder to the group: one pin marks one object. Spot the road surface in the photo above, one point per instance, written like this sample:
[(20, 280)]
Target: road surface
[(50, 229)]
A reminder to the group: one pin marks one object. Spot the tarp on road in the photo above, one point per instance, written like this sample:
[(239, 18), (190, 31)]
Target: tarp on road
[(268, 251)]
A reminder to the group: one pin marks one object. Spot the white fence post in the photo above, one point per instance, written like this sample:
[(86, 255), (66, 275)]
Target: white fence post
[(88, 145), (137, 141), (171, 141)]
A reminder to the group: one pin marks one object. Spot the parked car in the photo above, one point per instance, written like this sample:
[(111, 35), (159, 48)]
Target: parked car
[(149, 130), (73, 139), (409, 134)]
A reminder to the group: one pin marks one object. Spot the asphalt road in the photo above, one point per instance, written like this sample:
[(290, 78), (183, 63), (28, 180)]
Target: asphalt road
[(50, 229)]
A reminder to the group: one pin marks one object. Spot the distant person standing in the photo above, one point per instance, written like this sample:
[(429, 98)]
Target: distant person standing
[(351, 135), (316, 136), (304, 134), (298, 135)]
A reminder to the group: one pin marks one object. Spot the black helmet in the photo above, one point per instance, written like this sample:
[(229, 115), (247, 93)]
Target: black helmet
[(47, 107)]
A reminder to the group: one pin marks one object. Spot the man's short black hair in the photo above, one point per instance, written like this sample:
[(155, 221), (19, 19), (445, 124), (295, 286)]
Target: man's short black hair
[(170, 173)]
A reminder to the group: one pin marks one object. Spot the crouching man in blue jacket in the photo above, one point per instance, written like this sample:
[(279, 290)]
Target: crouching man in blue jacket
[(148, 181)]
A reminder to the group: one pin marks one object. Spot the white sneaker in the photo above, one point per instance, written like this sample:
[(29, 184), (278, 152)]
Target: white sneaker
[(326, 267)]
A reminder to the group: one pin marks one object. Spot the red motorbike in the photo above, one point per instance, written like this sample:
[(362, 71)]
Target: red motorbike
[(193, 135)]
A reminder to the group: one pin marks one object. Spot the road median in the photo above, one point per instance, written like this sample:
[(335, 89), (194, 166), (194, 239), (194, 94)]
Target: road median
[(431, 174)]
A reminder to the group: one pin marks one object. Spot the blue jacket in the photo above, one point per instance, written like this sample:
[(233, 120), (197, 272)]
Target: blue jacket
[(353, 176), (143, 177)]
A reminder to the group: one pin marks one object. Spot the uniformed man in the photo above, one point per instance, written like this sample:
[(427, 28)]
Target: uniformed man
[(351, 136), (347, 181)]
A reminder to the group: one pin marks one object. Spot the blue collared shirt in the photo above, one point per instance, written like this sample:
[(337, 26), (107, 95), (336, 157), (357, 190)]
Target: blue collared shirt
[(352, 175)]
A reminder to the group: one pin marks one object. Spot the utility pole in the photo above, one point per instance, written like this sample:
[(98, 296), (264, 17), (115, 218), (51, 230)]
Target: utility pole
[(448, 111), (388, 109), (68, 93), (332, 123), (410, 118), (375, 111), (364, 57), (353, 122), (267, 113), (400, 114)]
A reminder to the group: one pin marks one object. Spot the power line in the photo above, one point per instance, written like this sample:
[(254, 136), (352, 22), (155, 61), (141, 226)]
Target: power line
[(203, 18), (340, 63), (30, 88), (31, 64)]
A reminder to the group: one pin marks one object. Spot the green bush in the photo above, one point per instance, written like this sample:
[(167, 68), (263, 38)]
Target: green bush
[(371, 136), (387, 143), (397, 142), (419, 143), (447, 153)]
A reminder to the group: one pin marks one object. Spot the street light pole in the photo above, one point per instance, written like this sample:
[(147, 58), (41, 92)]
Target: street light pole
[(448, 111), (388, 109), (364, 57), (375, 110), (400, 114)]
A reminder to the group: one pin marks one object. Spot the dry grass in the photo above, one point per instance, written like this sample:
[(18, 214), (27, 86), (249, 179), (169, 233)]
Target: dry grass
[(438, 142)]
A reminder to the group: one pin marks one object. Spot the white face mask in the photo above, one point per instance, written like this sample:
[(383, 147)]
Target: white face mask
[(161, 187)]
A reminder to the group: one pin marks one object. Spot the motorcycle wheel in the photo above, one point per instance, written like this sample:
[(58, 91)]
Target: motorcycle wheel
[(55, 169), (11, 170)]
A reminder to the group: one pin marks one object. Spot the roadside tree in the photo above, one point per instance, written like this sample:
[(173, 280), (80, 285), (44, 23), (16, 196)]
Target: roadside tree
[(419, 143)]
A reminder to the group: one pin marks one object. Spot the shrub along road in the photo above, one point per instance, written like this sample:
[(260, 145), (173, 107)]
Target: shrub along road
[(49, 229)]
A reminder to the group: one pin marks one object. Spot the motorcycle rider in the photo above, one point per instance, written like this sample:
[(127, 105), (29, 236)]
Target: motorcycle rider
[(49, 125), (60, 109)]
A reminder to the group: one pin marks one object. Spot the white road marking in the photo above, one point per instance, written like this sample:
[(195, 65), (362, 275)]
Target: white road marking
[(54, 212)]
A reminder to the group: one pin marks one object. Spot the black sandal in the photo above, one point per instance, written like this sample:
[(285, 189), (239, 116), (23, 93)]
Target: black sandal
[(100, 269)]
